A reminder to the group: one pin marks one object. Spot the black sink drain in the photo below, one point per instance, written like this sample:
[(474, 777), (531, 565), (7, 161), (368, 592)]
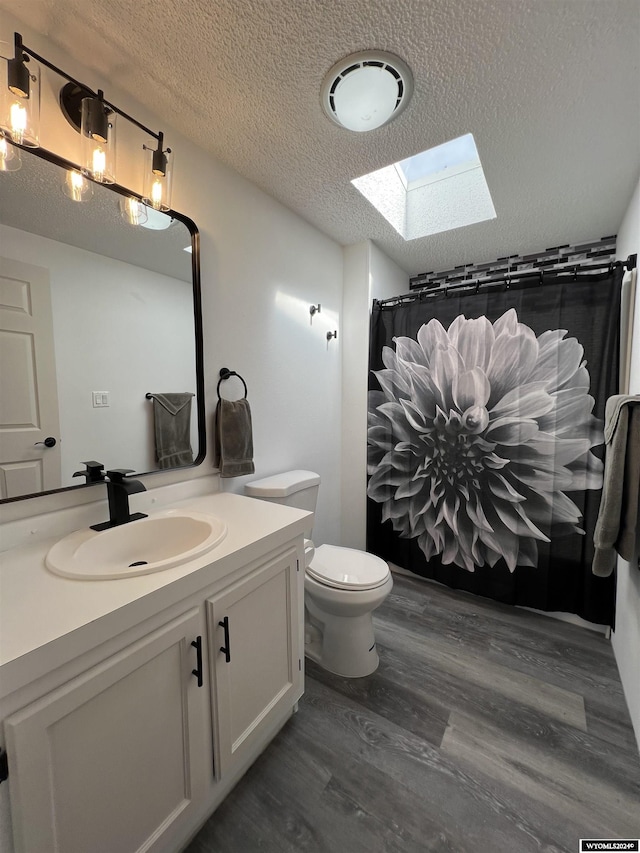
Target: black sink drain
[(138, 563)]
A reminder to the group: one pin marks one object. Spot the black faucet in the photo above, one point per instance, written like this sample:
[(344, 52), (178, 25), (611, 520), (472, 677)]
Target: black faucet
[(93, 473), (118, 490)]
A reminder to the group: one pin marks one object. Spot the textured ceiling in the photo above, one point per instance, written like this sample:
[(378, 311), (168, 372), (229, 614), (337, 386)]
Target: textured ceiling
[(549, 89)]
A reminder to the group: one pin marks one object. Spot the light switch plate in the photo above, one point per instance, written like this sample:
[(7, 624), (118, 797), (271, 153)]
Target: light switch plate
[(100, 399)]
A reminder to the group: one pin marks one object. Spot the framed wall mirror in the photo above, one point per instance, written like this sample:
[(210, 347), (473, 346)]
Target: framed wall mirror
[(96, 314)]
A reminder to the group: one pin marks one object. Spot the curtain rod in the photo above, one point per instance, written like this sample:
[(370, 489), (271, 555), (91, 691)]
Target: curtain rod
[(507, 279)]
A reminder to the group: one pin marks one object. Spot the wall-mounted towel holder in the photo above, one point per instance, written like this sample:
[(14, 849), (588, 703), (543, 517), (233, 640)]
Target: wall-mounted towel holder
[(225, 373), (150, 396)]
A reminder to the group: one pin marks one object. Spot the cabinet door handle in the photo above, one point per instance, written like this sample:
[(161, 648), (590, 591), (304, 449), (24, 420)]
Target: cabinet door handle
[(197, 645), (224, 623)]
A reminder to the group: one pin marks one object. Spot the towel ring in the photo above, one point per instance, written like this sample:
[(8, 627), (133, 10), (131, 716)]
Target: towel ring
[(225, 373)]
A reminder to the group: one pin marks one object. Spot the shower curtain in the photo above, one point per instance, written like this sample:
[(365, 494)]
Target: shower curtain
[(485, 438)]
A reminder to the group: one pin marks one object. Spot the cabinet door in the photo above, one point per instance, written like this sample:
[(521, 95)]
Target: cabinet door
[(255, 658), (114, 758)]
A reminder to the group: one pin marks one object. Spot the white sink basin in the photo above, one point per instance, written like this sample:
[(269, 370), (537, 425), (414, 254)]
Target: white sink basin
[(160, 541)]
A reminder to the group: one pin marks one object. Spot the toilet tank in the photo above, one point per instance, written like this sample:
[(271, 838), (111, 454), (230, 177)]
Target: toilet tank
[(291, 488)]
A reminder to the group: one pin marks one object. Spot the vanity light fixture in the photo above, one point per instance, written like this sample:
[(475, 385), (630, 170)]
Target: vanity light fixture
[(157, 176), (133, 210), (90, 114), (20, 99), (10, 160), (98, 139), (76, 186)]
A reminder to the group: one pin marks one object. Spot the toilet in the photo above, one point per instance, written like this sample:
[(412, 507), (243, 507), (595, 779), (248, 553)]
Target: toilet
[(342, 586)]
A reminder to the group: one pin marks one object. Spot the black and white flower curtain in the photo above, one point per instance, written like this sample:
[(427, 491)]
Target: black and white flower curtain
[(486, 439)]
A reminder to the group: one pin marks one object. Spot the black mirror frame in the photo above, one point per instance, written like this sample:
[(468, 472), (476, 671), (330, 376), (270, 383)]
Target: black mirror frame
[(197, 327)]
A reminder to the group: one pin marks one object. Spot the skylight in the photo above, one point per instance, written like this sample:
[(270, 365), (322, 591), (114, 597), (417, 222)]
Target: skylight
[(436, 190)]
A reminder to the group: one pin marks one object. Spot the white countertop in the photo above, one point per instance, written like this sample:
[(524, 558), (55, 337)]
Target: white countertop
[(40, 609)]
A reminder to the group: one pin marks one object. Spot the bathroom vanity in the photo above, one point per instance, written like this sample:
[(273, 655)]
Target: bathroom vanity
[(131, 707)]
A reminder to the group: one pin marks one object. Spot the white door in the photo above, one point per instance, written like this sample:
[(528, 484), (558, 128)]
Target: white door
[(28, 386), (254, 650), (118, 756)]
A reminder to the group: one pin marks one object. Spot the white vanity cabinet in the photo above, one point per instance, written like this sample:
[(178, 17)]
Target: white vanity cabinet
[(255, 657), (129, 730), (111, 759)]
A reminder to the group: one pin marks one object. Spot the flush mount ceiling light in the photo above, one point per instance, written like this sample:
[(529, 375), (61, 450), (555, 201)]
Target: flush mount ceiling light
[(366, 90)]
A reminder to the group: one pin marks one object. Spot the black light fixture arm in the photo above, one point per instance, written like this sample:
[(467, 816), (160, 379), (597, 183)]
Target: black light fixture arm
[(17, 72), (159, 156), (21, 48)]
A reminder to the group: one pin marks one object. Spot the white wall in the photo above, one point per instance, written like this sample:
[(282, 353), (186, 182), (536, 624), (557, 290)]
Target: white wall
[(386, 279), (626, 637), (117, 328), (355, 357), (368, 274), (262, 266)]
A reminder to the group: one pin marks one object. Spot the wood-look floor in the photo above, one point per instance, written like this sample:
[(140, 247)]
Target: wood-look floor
[(486, 729)]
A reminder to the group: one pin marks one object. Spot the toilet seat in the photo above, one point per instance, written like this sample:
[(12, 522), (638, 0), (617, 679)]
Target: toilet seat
[(347, 568)]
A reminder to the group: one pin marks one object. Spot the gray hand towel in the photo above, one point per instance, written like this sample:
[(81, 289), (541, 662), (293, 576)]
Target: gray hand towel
[(616, 528), (233, 438), (172, 416)]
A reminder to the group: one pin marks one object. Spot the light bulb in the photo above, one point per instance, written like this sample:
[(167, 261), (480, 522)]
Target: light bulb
[(18, 121), (156, 195), (20, 98), (133, 211), (76, 187), (10, 160), (76, 182), (99, 163)]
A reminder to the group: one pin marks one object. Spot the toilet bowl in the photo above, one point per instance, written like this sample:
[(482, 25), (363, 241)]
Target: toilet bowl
[(342, 586)]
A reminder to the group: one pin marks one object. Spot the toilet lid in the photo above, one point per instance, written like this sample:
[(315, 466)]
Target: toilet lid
[(346, 568)]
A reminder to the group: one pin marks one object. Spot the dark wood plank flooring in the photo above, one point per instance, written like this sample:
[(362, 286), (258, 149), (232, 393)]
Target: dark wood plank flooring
[(485, 728)]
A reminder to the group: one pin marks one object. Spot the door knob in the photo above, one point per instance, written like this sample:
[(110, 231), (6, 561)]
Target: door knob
[(48, 442)]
